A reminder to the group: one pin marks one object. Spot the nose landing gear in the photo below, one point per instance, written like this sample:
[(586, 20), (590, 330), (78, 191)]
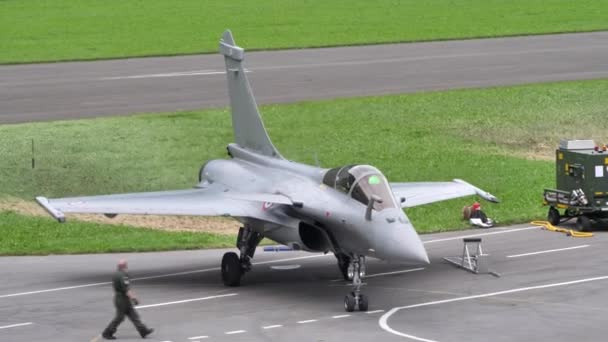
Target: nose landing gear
[(356, 272)]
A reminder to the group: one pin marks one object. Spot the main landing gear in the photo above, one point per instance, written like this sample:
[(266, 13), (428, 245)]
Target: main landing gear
[(343, 262), (234, 266), (355, 272)]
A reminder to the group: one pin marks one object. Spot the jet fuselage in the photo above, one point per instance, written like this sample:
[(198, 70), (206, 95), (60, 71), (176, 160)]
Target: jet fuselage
[(325, 218)]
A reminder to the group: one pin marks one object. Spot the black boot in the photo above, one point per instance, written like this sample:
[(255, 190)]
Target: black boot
[(146, 332), (108, 337)]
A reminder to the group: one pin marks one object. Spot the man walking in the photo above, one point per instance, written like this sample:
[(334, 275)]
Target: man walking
[(124, 300)]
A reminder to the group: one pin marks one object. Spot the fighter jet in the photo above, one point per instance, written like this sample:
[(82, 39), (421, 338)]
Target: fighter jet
[(351, 211)]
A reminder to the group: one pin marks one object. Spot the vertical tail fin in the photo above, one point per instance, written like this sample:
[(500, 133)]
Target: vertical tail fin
[(249, 131)]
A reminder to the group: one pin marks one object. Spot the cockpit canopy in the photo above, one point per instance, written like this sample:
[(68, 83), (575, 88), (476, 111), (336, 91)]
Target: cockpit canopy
[(361, 182)]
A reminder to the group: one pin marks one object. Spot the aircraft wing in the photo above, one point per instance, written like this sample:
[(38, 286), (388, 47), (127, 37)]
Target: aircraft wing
[(428, 192), (212, 200)]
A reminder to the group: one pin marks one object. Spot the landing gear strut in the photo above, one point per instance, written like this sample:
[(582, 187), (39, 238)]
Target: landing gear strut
[(234, 266), (343, 262), (356, 272)]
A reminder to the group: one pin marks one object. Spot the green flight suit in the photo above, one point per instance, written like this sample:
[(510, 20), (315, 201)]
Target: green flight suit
[(124, 307)]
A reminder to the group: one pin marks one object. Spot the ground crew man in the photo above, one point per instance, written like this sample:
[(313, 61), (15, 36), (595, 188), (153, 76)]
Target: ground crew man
[(124, 300), (479, 218)]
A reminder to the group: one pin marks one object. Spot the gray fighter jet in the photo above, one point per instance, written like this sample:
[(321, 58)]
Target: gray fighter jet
[(351, 211)]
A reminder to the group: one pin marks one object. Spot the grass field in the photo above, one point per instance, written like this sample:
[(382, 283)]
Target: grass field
[(43, 30), (501, 139), (23, 235)]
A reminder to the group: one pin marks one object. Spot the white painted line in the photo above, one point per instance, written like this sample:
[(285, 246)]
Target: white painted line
[(170, 74), (185, 301), (272, 326), (177, 274), (340, 316), (198, 337), (481, 234), (52, 290), (16, 325), (385, 273), (383, 321), (547, 251), (108, 283), (395, 272), (351, 63), (307, 321), (420, 58), (235, 332), (150, 277), (373, 312)]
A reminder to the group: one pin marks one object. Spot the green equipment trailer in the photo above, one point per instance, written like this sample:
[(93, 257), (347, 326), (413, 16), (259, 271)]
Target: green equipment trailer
[(581, 175)]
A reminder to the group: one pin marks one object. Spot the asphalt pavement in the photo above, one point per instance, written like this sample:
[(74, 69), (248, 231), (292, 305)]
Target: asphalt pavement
[(55, 91), (550, 289)]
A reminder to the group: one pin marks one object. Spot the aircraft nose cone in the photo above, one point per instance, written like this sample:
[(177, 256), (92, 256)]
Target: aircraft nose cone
[(401, 243)]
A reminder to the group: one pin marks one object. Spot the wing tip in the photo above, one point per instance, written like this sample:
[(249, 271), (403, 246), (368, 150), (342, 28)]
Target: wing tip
[(483, 194), (46, 205)]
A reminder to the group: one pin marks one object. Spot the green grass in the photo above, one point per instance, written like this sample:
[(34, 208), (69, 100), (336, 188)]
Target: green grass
[(23, 235), (500, 139), (53, 30)]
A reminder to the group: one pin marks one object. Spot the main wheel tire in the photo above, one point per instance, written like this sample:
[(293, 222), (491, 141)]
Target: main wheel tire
[(231, 269), (349, 303), (553, 216), (363, 303), (583, 224)]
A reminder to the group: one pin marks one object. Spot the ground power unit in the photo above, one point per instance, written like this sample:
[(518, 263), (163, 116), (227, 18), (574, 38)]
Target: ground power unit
[(581, 177)]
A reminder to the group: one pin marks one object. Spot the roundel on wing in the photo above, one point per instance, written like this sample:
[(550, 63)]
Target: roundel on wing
[(266, 205)]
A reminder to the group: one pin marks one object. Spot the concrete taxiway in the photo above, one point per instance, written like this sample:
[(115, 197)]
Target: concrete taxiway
[(116, 87), (550, 289)]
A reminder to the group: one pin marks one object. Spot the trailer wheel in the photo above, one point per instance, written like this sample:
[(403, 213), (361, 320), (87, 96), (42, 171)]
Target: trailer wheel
[(553, 217), (583, 224)]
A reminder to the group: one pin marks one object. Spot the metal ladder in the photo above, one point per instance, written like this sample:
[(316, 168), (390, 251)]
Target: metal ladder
[(472, 259)]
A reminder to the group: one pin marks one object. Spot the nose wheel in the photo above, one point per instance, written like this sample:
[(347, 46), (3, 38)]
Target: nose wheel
[(353, 301), (356, 272)]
